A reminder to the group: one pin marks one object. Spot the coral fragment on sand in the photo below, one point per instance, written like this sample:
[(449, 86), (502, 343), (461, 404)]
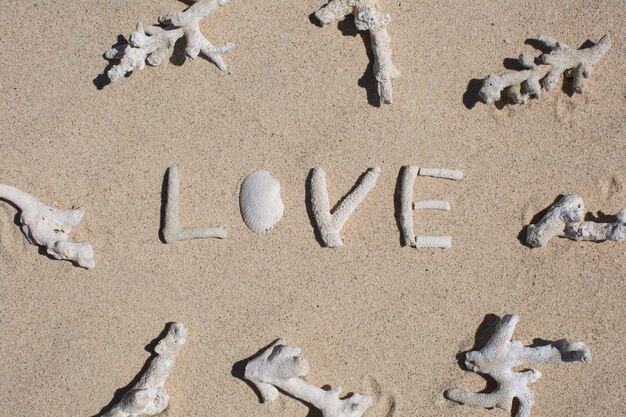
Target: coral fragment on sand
[(172, 231), (148, 396), (565, 218), (48, 227), (501, 355), (280, 368), (367, 16), (330, 225), (151, 43), (545, 70)]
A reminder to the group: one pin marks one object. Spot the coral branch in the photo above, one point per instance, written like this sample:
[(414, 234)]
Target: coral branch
[(172, 231), (150, 43), (501, 355), (520, 86), (565, 219), (367, 16), (449, 174), (432, 205), (279, 366), (330, 225), (148, 396), (434, 242), (49, 227), (407, 183)]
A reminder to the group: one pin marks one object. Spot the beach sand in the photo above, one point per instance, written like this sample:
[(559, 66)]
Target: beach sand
[(372, 316)]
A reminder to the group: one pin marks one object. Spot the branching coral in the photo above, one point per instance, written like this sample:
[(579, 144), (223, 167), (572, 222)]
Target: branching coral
[(148, 396), (521, 85), (367, 16), (330, 225), (565, 219), (150, 43), (172, 231), (501, 355), (49, 227), (280, 367)]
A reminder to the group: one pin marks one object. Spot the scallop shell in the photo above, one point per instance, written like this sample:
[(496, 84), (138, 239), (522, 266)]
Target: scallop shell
[(260, 202)]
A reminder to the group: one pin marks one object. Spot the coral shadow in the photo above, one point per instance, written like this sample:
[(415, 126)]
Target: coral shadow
[(367, 80), (239, 370), (102, 80), (164, 196), (119, 393), (397, 204), (522, 234), (471, 97)]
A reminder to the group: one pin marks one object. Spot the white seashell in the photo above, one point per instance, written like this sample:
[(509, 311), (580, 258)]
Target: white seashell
[(260, 202)]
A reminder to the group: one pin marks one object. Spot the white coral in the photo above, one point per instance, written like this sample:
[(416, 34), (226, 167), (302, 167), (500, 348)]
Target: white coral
[(49, 227), (330, 225), (521, 85), (367, 16), (565, 219), (150, 43), (280, 367), (172, 230), (501, 355), (148, 396)]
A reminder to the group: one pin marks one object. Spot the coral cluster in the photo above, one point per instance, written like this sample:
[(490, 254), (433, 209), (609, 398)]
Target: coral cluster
[(521, 85), (148, 396), (566, 219), (367, 17), (151, 43), (280, 367), (501, 355), (49, 227)]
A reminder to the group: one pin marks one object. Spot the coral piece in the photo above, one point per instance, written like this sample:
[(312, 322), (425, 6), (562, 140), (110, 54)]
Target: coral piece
[(501, 355), (172, 231), (448, 174), (433, 242), (565, 219), (260, 202), (148, 396), (432, 205), (49, 227), (329, 225), (280, 367), (367, 16), (405, 215), (150, 43), (407, 183), (520, 86)]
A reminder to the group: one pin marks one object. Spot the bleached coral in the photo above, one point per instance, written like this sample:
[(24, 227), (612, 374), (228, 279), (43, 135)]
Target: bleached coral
[(151, 43), (48, 227), (565, 219), (280, 367), (501, 355), (521, 85), (148, 396), (172, 230), (367, 16), (330, 225)]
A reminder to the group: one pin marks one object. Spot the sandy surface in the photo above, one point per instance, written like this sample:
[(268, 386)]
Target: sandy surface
[(372, 316)]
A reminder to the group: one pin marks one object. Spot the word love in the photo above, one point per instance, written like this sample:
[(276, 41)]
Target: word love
[(261, 206)]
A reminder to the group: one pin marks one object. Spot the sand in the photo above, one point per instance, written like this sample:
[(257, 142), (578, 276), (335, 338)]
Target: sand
[(372, 316)]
